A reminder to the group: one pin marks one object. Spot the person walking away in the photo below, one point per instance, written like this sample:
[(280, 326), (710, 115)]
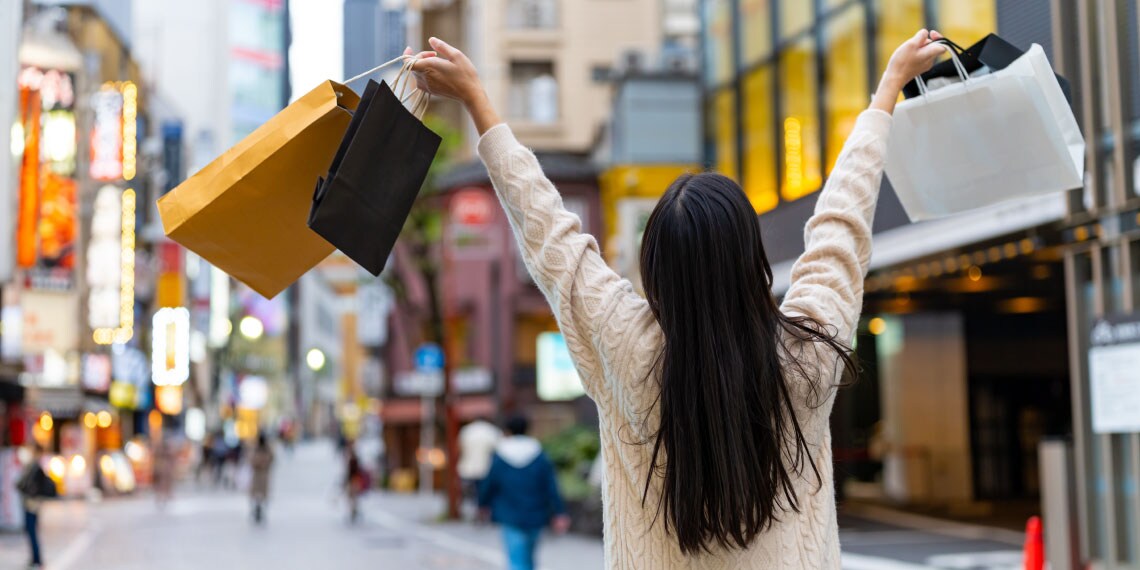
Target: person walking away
[(520, 492), (477, 441), (219, 450), (356, 482), (163, 473), (260, 463), (34, 487), (713, 398)]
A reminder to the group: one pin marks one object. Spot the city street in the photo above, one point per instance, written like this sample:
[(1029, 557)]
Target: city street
[(307, 529)]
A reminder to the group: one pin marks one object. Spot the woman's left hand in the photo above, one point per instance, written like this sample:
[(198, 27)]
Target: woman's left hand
[(914, 57), (447, 72)]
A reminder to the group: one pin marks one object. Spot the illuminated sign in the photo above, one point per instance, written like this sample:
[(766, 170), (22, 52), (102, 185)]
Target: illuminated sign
[(130, 129), (123, 395), (472, 207), (253, 392), (557, 377), (97, 372), (170, 351), (168, 399), (111, 266), (58, 142), (107, 135), (55, 87)]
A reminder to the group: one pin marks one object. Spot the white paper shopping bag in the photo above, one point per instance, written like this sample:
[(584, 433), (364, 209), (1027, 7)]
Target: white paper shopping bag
[(1008, 134)]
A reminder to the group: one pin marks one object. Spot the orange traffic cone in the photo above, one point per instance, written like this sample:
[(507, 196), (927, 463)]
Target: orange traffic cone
[(1034, 554)]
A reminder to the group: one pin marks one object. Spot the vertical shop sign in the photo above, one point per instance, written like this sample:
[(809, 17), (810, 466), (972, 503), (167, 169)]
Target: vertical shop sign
[(107, 134), (11, 137)]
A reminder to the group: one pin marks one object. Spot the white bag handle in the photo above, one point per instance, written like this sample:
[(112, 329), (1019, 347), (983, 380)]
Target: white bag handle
[(375, 69), (957, 65), (419, 106)]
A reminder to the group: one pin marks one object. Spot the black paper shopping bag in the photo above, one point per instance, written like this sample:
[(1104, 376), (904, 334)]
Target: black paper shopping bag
[(375, 176), (991, 51)]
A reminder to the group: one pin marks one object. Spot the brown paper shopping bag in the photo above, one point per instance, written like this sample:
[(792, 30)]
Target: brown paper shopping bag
[(246, 211)]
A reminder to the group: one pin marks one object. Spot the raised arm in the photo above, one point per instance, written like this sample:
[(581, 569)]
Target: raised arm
[(597, 311), (827, 279)]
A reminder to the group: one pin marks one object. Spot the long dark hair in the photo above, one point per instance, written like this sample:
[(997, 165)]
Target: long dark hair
[(728, 427)]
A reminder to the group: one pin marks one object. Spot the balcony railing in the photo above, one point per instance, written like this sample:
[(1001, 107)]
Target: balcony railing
[(532, 14)]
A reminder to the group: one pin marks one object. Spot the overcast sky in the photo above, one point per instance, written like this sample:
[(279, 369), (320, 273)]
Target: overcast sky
[(317, 53)]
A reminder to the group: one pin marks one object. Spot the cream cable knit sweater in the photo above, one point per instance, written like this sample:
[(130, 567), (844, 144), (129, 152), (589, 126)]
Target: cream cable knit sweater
[(614, 338)]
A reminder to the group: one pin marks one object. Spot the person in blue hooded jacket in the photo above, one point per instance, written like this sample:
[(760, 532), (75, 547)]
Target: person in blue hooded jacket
[(520, 493)]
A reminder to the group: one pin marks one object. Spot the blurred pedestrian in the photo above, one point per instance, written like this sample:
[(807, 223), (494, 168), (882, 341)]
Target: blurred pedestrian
[(218, 452), (231, 465), (520, 492), (356, 482), (477, 441), (714, 399), (165, 462), (34, 487), (260, 463), (288, 434)]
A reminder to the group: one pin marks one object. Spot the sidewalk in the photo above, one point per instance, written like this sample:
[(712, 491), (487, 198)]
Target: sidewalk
[(307, 528), (873, 538)]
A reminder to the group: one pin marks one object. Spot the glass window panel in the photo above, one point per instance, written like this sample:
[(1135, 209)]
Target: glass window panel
[(795, 16), (898, 20), (760, 174), (847, 93), (718, 41), (723, 123), (966, 21), (800, 122), (757, 18)]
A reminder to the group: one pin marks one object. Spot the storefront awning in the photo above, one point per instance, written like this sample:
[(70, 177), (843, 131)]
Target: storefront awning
[(63, 402), (11, 392), (913, 241)]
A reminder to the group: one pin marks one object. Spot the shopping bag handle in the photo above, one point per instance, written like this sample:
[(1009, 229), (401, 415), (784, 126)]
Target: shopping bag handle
[(402, 81), (419, 106), (377, 68), (953, 49)]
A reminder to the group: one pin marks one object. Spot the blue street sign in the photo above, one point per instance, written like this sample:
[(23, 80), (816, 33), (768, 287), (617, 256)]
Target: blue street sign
[(429, 357)]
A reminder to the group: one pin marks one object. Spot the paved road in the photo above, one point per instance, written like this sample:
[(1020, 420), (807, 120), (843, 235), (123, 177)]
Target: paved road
[(206, 529)]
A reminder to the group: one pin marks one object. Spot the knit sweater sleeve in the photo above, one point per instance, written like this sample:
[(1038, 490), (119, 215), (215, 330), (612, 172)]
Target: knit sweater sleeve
[(827, 279), (597, 311)]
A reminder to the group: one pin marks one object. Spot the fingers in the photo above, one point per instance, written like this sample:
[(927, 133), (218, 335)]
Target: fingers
[(932, 51), (408, 50), (430, 63), (921, 36), (934, 35), (445, 49)]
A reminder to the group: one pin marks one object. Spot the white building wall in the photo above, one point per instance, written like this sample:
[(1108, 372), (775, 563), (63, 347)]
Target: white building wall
[(182, 49), (588, 35), (319, 319)]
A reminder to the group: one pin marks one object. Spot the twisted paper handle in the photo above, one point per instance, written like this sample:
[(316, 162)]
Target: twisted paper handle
[(402, 81)]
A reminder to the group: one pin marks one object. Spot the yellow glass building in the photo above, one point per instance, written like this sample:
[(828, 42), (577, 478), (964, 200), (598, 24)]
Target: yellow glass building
[(785, 79)]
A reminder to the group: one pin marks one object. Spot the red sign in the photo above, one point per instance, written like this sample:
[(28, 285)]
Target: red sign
[(472, 207)]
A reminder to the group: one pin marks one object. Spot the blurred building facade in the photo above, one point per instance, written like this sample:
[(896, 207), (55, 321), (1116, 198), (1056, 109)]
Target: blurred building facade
[(79, 277), (976, 330), (547, 65), (374, 32)]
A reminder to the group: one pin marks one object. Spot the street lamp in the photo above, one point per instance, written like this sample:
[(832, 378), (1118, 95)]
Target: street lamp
[(250, 327), (315, 359)]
